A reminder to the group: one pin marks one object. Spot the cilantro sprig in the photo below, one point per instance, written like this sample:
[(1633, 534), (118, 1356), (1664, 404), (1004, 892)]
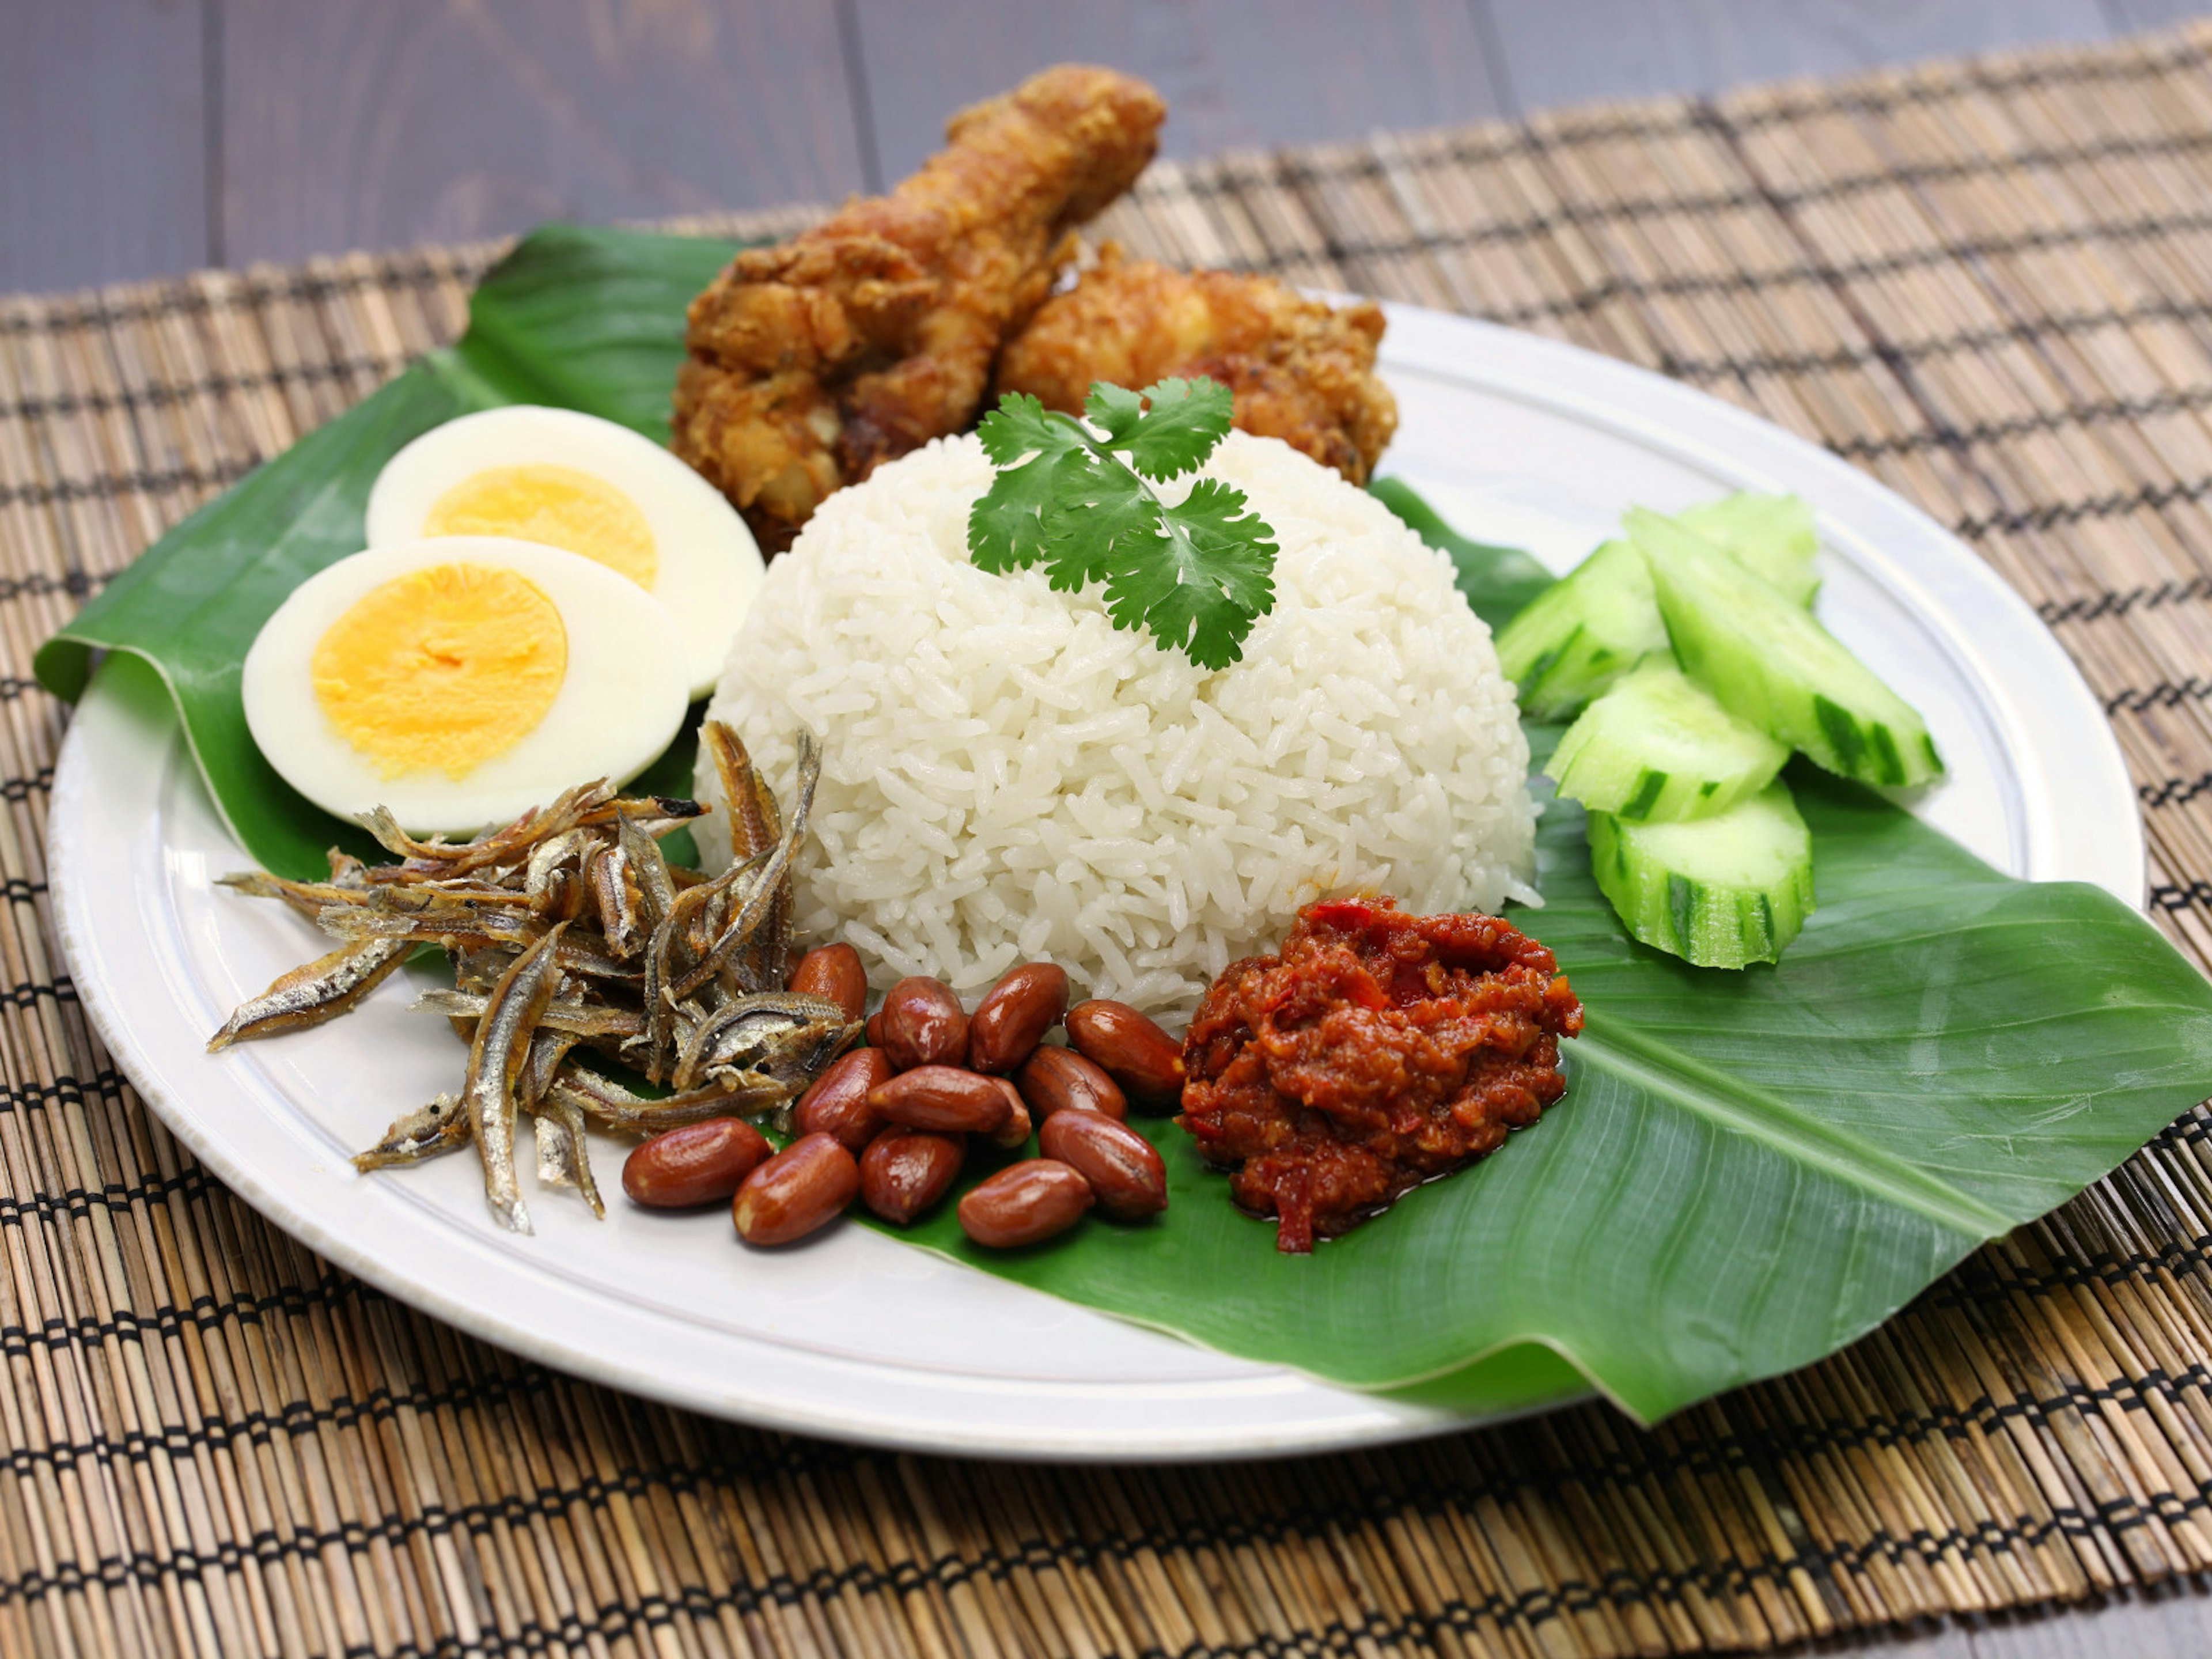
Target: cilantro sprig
[(1197, 573)]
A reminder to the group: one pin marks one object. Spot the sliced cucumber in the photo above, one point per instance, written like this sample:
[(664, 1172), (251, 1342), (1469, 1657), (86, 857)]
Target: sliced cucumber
[(1771, 664), (1720, 891), (1582, 633), (1658, 747), (1771, 535)]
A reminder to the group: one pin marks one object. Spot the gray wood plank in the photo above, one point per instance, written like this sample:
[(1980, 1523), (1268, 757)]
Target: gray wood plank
[(350, 124), (1233, 71), (102, 162), (2136, 16), (2173, 1621), (1561, 52)]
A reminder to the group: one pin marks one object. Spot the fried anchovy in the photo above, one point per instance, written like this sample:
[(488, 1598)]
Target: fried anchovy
[(654, 814), (765, 963), (564, 1155), (496, 1058), (457, 927), (758, 1032), (615, 897), (571, 1017), (307, 897), (425, 1133), (501, 846), (754, 820), (322, 989), (742, 1094), (762, 901), (659, 961), (549, 1050), (648, 867)]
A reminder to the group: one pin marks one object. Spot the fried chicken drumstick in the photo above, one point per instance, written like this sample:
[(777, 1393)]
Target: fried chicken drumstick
[(865, 337), (1300, 370)]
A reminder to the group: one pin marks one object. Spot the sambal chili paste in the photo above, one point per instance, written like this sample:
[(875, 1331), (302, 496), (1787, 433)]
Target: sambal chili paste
[(1378, 1051)]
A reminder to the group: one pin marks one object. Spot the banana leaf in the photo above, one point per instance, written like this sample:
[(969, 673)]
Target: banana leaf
[(1749, 1171)]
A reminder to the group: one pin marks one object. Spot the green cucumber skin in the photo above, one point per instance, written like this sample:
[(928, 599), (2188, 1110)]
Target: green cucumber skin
[(1773, 536), (1708, 916), (1658, 747), (1774, 667), (1582, 633)]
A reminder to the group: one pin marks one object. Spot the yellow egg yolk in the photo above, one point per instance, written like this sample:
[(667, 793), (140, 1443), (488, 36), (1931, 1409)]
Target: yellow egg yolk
[(442, 668), (556, 506)]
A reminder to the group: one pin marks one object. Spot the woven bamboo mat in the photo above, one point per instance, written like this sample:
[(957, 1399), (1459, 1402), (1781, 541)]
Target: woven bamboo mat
[(1990, 285)]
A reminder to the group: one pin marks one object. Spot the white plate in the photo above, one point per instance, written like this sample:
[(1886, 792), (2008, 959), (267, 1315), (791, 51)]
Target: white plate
[(1516, 439)]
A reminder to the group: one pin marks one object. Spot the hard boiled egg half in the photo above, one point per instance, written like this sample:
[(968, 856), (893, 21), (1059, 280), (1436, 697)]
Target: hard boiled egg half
[(574, 481), (462, 680)]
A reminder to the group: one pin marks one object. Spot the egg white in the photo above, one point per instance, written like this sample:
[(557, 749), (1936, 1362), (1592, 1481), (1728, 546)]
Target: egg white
[(621, 702), (708, 565)]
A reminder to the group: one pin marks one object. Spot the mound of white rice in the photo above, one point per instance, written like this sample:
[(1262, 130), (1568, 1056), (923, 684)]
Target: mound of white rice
[(1008, 777)]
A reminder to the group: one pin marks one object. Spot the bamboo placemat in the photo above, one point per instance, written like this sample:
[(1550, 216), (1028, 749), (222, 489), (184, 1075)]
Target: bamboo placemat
[(1990, 284)]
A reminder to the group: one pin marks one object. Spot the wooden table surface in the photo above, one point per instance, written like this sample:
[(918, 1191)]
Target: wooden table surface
[(143, 136)]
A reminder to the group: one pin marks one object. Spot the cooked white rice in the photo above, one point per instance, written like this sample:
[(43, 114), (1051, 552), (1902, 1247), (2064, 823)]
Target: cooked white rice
[(1008, 777)]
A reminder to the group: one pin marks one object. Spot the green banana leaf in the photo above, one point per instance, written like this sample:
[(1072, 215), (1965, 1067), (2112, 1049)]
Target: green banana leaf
[(1748, 1169)]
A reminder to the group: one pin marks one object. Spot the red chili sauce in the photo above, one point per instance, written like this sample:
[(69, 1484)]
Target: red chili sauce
[(1379, 1051)]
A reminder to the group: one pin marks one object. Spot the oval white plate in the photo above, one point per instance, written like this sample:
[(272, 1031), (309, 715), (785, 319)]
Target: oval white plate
[(1516, 439)]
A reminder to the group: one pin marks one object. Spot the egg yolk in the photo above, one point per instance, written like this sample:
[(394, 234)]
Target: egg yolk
[(555, 506), (442, 668)]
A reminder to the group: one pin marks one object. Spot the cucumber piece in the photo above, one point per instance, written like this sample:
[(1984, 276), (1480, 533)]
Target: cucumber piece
[(1658, 747), (1583, 633), (1771, 535), (1721, 892), (1771, 664)]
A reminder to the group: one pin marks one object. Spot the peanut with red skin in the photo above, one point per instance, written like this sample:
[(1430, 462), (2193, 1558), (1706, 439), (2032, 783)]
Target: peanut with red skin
[(905, 1171), (1125, 1172), (1023, 1204), (1056, 1079), (836, 1103), (1014, 1132), (697, 1163), (942, 1097), (802, 1188), (1130, 1048), (1014, 1015), (923, 1025), (834, 973)]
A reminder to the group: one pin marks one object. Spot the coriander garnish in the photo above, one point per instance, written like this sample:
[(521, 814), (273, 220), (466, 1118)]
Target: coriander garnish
[(1198, 574)]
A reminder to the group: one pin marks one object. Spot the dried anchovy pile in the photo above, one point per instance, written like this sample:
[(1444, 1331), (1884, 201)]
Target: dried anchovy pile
[(568, 929)]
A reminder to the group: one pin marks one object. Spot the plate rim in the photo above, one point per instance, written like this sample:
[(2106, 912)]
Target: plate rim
[(1679, 421)]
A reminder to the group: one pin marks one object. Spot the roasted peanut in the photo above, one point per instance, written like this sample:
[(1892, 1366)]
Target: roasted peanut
[(834, 973), (802, 1187), (875, 1030), (904, 1171), (697, 1163), (1025, 1203), (1056, 1079), (923, 1025), (1134, 1051), (1015, 1014), (1125, 1172), (837, 1103), (943, 1098), (1015, 1130)]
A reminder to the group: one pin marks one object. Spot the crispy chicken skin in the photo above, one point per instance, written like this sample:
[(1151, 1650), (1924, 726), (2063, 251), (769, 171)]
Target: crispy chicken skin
[(1300, 371), (872, 333)]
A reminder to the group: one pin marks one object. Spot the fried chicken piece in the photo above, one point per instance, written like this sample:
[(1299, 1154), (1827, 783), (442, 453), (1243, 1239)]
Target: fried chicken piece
[(1300, 370), (812, 362)]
